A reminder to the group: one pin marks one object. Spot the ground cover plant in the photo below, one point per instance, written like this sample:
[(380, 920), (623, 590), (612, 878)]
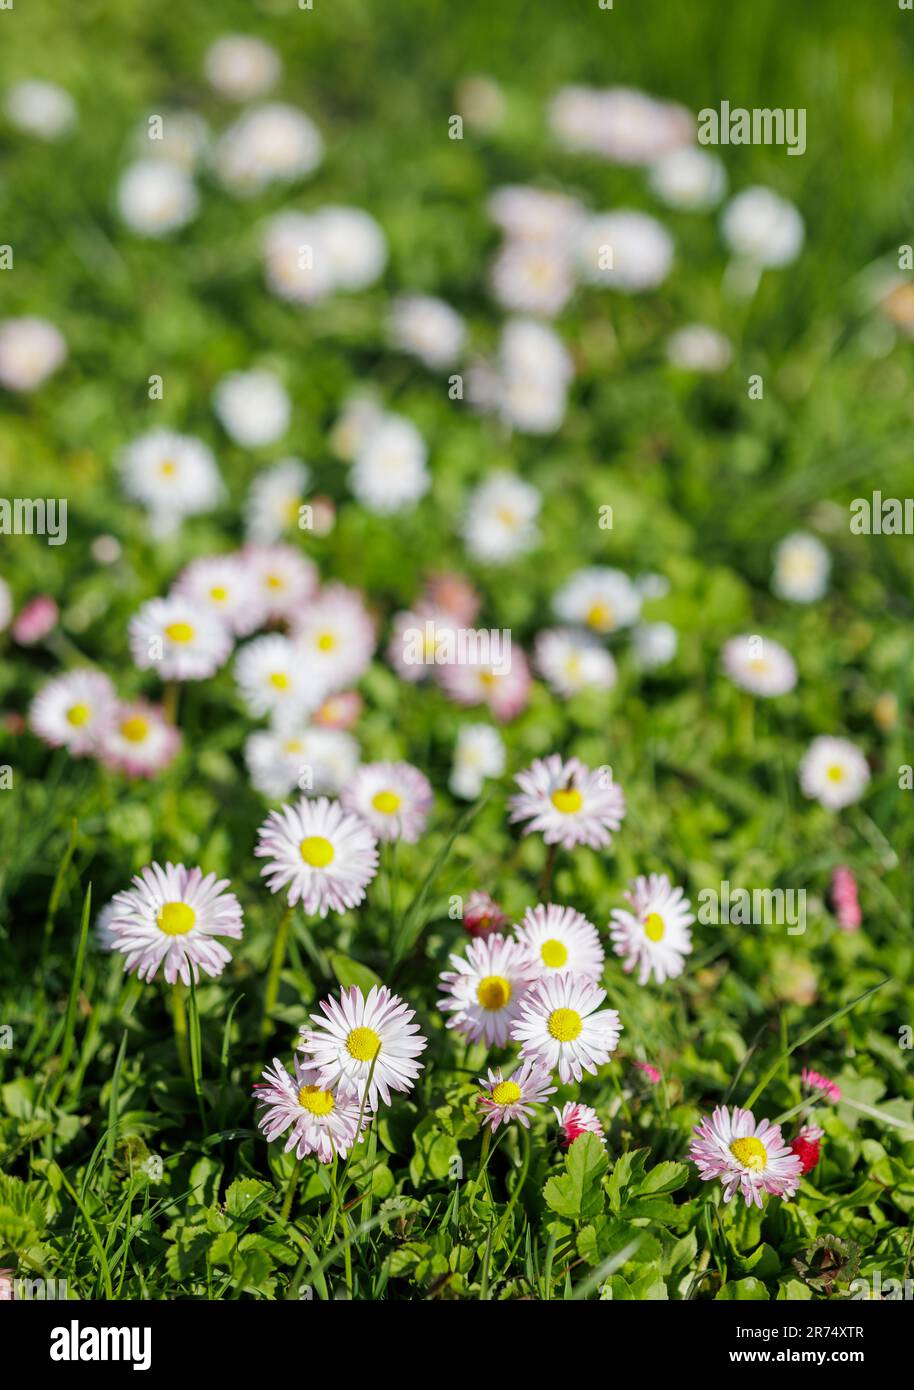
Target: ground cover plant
[(456, 620)]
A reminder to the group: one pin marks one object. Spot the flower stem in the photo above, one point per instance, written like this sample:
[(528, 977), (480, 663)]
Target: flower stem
[(179, 1019), (277, 960), (290, 1193), (170, 701), (548, 867)]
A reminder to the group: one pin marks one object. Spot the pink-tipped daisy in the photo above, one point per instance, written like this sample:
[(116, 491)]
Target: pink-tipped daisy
[(283, 580), (74, 711), (557, 938), (649, 1072), (560, 1025), (484, 989), (481, 914), (820, 1085), (223, 586), (654, 934), (336, 636), (273, 680), (513, 1097), (574, 1120), (318, 1120), (759, 665), (748, 1156), (394, 799), (357, 1037), (324, 855), (178, 640), (568, 803), (504, 687), (140, 740), (170, 918)]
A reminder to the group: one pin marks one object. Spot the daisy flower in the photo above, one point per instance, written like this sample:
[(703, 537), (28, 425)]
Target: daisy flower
[(140, 740), (482, 915), (807, 1147), (172, 475), (74, 711), (748, 1157), (427, 328), (316, 1119), (284, 580), (415, 639), (480, 753), (651, 1073), (514, 1097), (389, 471), (273, 143), (340, 711), (297, 264), (568, 803), (274, 500), (354, 244), (222, 586), (562, 1026), (621, 124), (360, 416), (506, 692), (35, 621), (170, 918), (500, 519), (801, 568), (182, 137), (654, 644), (273, 680), (31, 350), (698, 348), (654, 934), (573, 661), (844, 898), (323, 855), (253, 407), (156, 196), (241, 67), (759, 665), (834, 772), (178, 640), (601, 599), (689, 179), (574, 1120), (336, 635), (762, 227), (525, 213), (319, 761), (454, 594), (356, 1037), (531, 277), (627, 251), (484, 989), (40, 108), (820, 1085), (393, 799), (555, 938)]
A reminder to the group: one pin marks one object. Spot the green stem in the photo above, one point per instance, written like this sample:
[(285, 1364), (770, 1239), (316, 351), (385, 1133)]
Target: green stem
[(546, 879), (179, 1019), (170, 701), (277, 961), (290, 1193)]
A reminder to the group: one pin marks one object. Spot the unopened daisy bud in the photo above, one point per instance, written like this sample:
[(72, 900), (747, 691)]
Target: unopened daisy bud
[(844, 899), (650, 1073), (807, 1147), (35, 621), (819, 1085), (885, 711), (482, 915), (575, 1120)]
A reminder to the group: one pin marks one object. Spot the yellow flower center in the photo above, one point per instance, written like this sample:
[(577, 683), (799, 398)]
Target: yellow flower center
[(565, 1025), (218, 594), (316, 851), (316, 1101), (292, 745), (363, 1044), (554, 953), (494, 992), (175, 919), (751, 1153), (326, 641), (179, 632), (280, 681), (135, 729), (275, 581), (508, 518), (78, 715), (835, 773), (290, 510), (506, 1093), (487, 680), (388, 802), (168, 468), (653, 927), (567, 800), (600, 616)]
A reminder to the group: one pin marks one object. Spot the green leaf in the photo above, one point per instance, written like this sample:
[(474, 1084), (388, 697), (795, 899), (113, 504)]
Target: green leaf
[(351, 972), (742, 1290), (577, 1193)]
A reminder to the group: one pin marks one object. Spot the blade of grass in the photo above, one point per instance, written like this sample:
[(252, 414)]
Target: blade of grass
[(411, 924), (66, 1051)]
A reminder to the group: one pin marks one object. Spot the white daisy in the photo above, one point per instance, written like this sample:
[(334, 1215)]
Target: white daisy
[(654, 934), (325, 856), (297, 262), (156, 196), (140, 740), (416, 639), (621, 124), (500, 520), (274, 500), (599, 598), (624, 250), (759, 665), (504, 688), (562, 1026), (253, 407), (513, 1097), (525, 213), (654, 644), (762, 227), (356, 1038), (180, 137), (172, 475), (313, 760), (480, 753), (178, 640), (568, 802), (530, 277), (698, 348), (284, 580), (74, 711), (574, 661), (689, 179), (274, 680), (389, 471), (318, 1120), (40, 108), (241, 67), (273, 143), (170, 918), (394, 799), (336, 635), (555, 938), (358, 420), (484, 989), (31, 349), (355, 245), (222, 585), (834, 772), (427, 328), (801, 568)]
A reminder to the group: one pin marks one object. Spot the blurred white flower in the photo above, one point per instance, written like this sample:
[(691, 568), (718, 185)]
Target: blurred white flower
[(172, 475), (762, 227), (759, 665), (253, 407), (532, 277), (354, 244), (389, 471), (274, 499), (480, 753), (360, 417), (654, 644), (834, 772), (500, 520), (268, 144), (308, 759), (599, 598), (532, 214), (40, 108), (624, 250), (698, 348), (527, 387), (427, 328), (31, 349), (308, 256), (156, 196), (801, 568), (620, 124), (572, 661), (689, 179), (241, 67), (480, 101), (180, 137)]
